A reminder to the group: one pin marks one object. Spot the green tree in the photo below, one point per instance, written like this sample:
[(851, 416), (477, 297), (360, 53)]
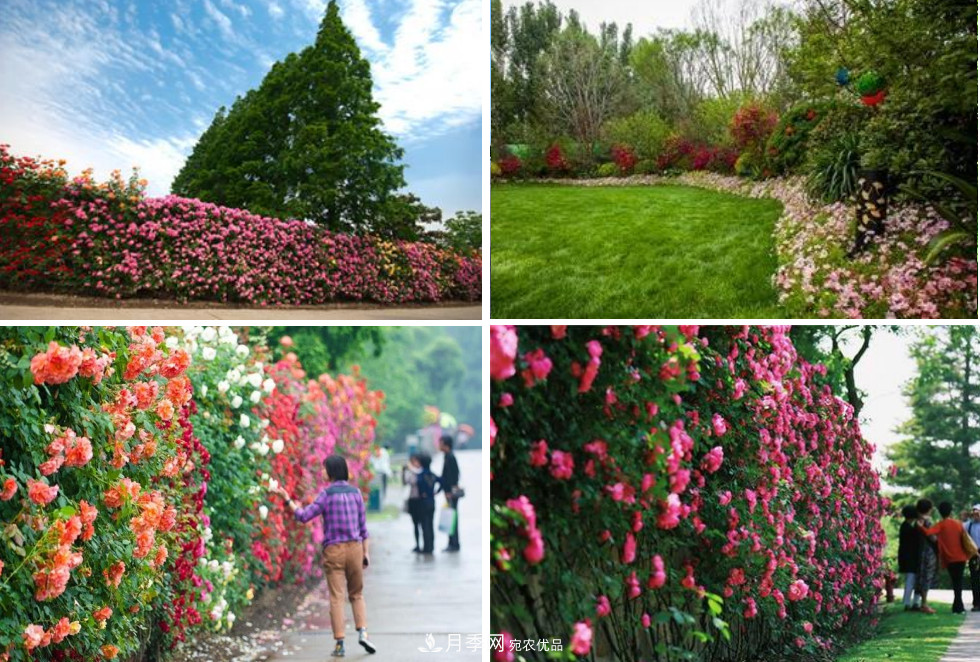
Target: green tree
[(464, 231), (307, 143), (327, 348), (940, 455), (826, 344)]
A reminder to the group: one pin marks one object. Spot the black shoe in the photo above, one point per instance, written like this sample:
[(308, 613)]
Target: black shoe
[(451, 549), (416, 549)]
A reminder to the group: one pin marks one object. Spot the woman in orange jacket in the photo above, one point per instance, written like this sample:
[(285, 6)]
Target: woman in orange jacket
[(952, 556)]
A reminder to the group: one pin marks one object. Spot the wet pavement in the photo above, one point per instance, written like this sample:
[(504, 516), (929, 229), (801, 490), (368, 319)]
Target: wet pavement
[(415, 604)]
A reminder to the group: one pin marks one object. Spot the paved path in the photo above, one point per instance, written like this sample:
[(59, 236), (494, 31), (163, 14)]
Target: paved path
[(408, 597), (966, 645), (28, 312)]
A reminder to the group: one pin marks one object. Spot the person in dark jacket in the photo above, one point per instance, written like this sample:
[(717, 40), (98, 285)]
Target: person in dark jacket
[(429, 486), (910, 544), (450, 480)]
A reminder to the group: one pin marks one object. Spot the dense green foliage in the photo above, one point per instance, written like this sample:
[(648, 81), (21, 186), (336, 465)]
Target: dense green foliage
[(630, 252), (940, 455), (307, 144)]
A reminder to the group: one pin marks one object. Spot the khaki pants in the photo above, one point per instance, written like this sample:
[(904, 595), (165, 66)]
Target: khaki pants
[(342, 563)]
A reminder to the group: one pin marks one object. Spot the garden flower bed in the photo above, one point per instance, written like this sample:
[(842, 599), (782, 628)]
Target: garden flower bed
[(816, 278), (669, 493), (110, 240), (136, 470)]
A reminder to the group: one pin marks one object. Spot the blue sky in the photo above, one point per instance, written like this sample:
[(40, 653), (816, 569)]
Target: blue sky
[(111, 84)]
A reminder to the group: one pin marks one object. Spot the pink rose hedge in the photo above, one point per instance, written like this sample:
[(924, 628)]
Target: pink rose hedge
[(110, 240), (666, 491), (136, 475)]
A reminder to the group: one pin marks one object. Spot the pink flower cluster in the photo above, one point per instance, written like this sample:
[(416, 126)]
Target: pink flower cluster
[(701, 462), (187, 249)]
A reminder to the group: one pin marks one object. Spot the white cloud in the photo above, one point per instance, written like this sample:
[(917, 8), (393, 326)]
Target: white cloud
[(430, 79), (63, 86), (221, 20), (275, 10)]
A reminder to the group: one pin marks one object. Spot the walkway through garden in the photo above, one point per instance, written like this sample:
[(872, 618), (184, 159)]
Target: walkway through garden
[(409, 597), (966, 646)]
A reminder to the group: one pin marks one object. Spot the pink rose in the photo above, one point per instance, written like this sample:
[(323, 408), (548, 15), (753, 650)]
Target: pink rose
[(581, 642), (503, 350)]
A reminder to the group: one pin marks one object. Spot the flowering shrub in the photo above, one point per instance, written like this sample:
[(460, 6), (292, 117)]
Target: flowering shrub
[(676, 492), (624, 157), (110, 240), (751, 126), (509, 165), (682, 154), (816, 277), (135, 470), (555, 158)]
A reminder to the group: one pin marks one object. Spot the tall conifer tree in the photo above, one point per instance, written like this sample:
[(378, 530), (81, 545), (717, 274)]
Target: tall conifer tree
[(940, 456), (307, 143)]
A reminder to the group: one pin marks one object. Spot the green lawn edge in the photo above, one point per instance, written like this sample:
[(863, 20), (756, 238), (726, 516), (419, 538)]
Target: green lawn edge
[(902, 636)]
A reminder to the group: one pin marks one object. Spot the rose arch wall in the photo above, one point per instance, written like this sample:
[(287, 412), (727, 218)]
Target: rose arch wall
[(661, 491)]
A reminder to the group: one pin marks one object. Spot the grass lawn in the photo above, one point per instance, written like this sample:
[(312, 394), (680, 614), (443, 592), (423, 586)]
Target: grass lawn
[(907, 636), (630, 252)]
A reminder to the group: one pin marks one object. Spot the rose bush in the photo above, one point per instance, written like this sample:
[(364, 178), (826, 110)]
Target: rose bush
[(135, 468), (110, 240), (666, 492)]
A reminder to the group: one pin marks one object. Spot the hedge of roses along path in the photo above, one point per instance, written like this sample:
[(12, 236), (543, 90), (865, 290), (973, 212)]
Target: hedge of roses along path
[(79, 237), (135, 467), (675, 493)]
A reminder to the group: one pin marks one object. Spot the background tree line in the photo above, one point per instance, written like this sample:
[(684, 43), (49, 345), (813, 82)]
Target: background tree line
[(553, 79)]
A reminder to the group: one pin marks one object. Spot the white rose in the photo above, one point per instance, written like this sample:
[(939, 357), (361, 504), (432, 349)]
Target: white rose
[(213, 565), (255, 397), (268, 386), (244, 421), (207, 415), (204, 390), (255, 379), (277, 446), (227, 567), (231, 619), (208, 334), (242, 351), (263, 512), (240, 442), (203, 562), (208, 353), (207, 535), (264, 423), (50, 429), (259, 366), (273, 484), (171, 342), (233, 376), (263, 449), (223, 386), (236, 401)]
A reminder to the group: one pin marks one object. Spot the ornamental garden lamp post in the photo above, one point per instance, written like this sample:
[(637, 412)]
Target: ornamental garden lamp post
[(871, 198)]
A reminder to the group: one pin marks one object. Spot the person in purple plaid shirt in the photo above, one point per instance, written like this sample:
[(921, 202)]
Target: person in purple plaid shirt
[(345, 547)]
